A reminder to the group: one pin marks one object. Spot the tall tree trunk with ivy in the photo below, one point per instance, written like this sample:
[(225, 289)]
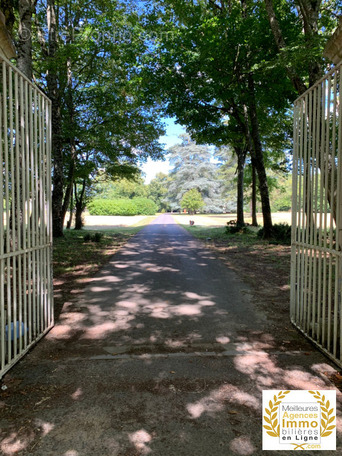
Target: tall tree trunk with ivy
[(70, 114), (71, 142), (24, 46), (57, 146)]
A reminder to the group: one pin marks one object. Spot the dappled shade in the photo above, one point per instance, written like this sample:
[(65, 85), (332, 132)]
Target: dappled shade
[(163, 353)]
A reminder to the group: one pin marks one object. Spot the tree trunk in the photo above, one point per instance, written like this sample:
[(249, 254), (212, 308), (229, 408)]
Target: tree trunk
[(24, 47), (80, 206), (71, 209), (69, 189), (241, 156), (258, 157), (71, 124), (57, 146), (67, 197), (253, 200), (78, 216)]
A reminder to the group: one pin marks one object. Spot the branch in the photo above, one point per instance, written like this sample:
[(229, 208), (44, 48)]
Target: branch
[(40, 87), (215, 5), (281, 45), (41, 39), (309, 10)]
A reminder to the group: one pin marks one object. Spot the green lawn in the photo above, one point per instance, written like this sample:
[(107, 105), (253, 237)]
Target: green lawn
[(72, 251), (216, 234), (75, 260), (222, 219)]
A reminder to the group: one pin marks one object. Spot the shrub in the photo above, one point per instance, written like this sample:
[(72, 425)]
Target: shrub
[(112, 207), (96, 237), (124, 206), (87, 237), (145, 206), (232, 228), (281, 233)]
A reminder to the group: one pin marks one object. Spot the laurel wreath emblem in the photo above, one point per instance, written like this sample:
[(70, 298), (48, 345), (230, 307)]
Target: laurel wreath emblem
[(327, 417), (272, 428)]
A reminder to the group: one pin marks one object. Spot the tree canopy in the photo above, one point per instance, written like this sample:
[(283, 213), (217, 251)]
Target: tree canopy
[(192, 168), (101, 116), (228, 71), (192, 201)]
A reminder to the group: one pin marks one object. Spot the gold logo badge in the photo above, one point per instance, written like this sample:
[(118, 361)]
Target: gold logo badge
[(299, 420)]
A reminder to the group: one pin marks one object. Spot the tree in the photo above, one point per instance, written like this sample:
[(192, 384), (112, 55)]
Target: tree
[(223, 87), (193, 169), (230, 176), (192, 201), (311, 24), (157, 191), (7, 8), (53, 90), (122, 188), (300, 31), (281, 197), (99, 109)]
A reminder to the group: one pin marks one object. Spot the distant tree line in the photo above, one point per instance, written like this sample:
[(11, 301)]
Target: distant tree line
[(201, 178)]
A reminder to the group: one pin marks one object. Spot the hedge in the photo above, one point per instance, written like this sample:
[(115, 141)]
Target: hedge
[(145, 206), (135, 206)]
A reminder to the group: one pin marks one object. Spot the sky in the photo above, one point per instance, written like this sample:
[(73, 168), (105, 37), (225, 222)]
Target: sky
[(151, 168)]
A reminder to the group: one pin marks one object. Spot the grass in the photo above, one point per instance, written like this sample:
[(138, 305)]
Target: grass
[(72, 251), (222, 219), (76, 260), (144, 221), (219, 234)]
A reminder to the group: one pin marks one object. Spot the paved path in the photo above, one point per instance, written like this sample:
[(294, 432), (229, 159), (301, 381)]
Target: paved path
[(164, 354)]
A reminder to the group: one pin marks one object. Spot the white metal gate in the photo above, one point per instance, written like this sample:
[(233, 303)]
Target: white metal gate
[(26, 306), (316, 266)]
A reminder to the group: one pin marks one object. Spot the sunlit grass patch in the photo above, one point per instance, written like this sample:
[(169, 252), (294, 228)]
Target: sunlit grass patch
[(145, 221), (79, 255), (220, 234), (222, 219), (75, 249)]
